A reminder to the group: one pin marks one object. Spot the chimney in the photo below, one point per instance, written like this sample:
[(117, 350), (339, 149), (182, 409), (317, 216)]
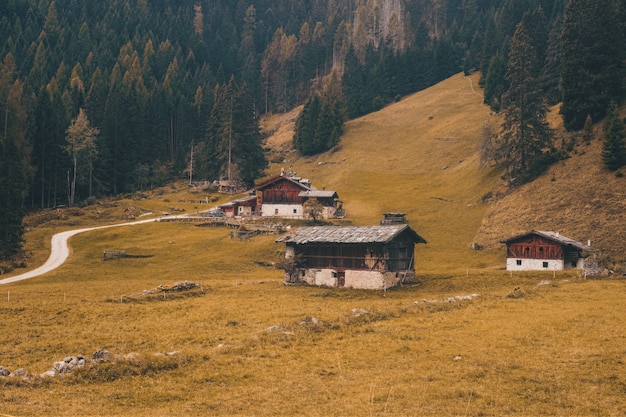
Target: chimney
[(393, 218)]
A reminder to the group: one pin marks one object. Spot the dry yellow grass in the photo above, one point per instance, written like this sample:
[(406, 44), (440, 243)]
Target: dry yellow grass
[(418, 156), (248, 346)]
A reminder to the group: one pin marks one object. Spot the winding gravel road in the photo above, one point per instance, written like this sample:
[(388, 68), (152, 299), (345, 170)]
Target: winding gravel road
[(60, 251)]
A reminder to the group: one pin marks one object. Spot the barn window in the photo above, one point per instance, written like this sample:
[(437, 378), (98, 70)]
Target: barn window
[(295, 211), (518, 262), (545, 264), (275, 212)]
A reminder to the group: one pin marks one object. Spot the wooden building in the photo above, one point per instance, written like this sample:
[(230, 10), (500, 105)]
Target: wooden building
[(284, 195), (241, 207), (370, 257), (540, 250)]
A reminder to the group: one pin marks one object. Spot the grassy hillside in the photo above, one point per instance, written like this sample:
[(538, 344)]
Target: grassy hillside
[(418, 156), (469, 340)]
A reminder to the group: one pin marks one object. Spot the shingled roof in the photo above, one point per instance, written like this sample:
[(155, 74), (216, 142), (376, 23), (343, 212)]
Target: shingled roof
[(349, 234), (553, 236)]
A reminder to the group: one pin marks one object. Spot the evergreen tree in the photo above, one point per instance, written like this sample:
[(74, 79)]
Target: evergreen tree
[(552, 65), (306, 125), (527, 138), (320, 125), (15, 168), (614, 146), (592, 61), (232, 148)]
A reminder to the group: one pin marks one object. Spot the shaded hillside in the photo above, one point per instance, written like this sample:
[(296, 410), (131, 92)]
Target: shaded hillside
[(419, 156), (576, 197)]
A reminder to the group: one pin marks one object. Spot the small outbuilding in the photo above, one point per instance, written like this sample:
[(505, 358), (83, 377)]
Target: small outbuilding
[(544, 251), (369, 257)]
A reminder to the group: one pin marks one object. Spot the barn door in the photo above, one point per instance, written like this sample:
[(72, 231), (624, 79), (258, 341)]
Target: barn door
[(341, 278)]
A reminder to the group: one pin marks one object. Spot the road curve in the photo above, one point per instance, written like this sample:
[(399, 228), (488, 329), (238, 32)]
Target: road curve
[(60, 251)]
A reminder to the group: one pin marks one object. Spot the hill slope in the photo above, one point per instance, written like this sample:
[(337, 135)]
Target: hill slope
[(416, 156), (419, 156)]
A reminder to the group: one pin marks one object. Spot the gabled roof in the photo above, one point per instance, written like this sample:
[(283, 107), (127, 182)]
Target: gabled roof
[(244, 200), (276, 178), (318, 194), (349, 234), (553, 236)]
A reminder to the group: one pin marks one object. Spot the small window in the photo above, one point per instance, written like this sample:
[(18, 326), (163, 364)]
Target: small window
[(303, 272), (545, 264), (295, 211), (276, 212), (518, 262)]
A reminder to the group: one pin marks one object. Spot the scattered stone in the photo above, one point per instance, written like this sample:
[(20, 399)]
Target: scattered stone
[(163, 289), (101, 356), (20, 373), (70, 363), (449, 299), (357, 312), (517, 293), (457, 358)]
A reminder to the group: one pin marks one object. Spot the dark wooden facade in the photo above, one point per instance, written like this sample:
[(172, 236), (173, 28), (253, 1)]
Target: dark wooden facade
[(369, 257), (543, 249), (280, 190), (534, 246)]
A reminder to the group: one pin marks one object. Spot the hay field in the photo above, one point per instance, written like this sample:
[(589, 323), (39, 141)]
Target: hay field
[(469, 340)]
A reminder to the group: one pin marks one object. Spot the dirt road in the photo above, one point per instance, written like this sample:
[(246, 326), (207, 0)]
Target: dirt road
[(60, 251)]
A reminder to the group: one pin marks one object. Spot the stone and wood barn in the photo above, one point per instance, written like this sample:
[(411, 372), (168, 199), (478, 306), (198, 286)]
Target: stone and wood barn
[(369, 257), (541, 250)]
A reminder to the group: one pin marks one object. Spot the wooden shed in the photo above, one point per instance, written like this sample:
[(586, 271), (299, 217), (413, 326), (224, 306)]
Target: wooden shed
[(543, 250), (370, 257)]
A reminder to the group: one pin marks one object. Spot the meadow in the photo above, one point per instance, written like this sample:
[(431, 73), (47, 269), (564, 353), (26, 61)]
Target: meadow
[(467, 339)]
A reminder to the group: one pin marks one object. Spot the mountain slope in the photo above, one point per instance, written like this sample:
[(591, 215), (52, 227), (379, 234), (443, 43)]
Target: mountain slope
[(416, 156), (419, 156)]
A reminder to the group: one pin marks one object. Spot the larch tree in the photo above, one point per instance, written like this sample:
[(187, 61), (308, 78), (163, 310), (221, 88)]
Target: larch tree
[(526, 135), (81, 146)]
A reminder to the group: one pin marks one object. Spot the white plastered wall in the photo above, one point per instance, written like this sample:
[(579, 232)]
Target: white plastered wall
[(533, 264), (281, 210)]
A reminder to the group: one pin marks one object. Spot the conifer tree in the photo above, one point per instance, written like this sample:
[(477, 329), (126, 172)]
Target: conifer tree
[(592, 61), (15, 168), (232, 148), (527, 138), (614, 146)]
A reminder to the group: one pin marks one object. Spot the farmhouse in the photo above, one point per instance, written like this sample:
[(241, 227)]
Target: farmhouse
[(284, 195), (369, 257), (540, 250)]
